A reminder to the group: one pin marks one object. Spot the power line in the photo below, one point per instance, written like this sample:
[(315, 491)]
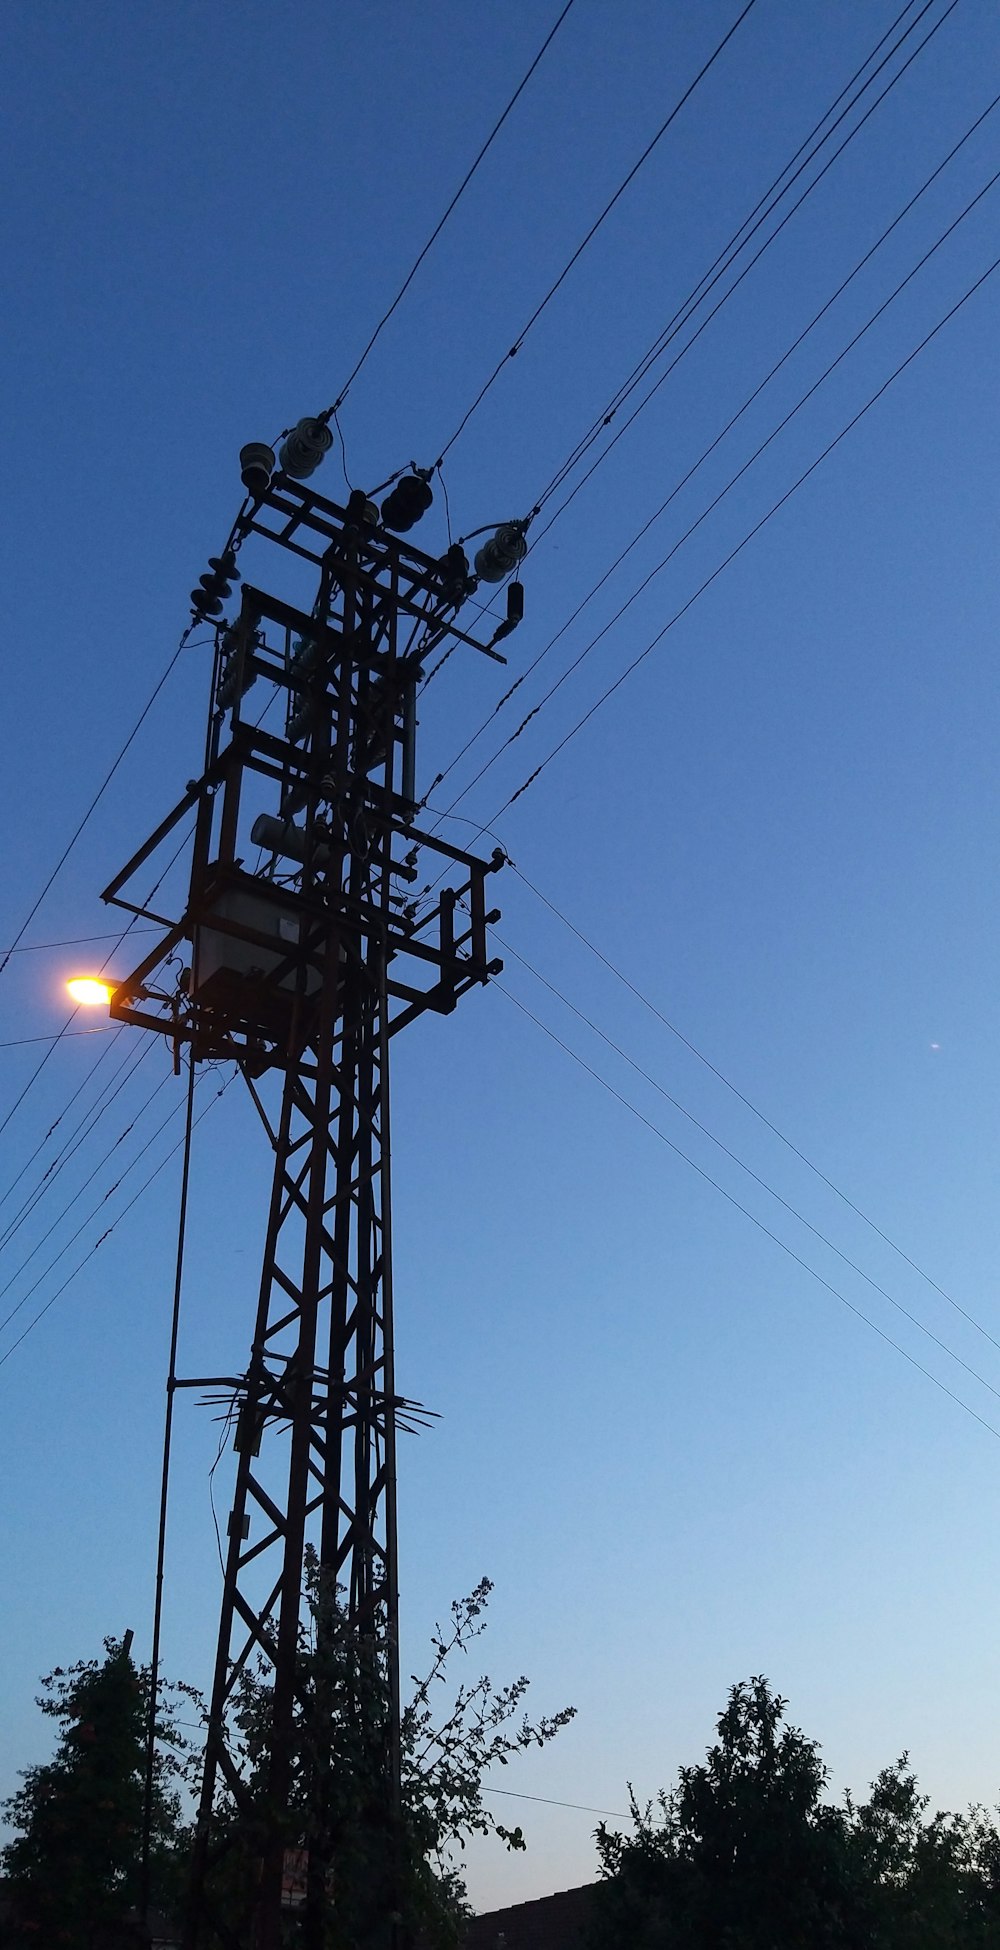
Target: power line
[(53, 1041), (118, 942), (746, 1212), (769, 1125), (685, 312), (129, 929), (112, 1189), (728, 257), (332, 411), (591, 234), (749, 536), (512, 1794), (74, 941), (87, 1125), (20, 1042), (144, 1187), (95, 801), (735, 1159), (734, 479), (81, 1086), (487, 826), (748, 402)]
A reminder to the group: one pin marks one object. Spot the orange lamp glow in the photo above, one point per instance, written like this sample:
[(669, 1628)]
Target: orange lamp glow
[(89, 990)]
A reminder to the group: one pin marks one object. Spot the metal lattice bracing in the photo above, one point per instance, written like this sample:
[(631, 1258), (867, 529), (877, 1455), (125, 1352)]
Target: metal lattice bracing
[(306, 967)]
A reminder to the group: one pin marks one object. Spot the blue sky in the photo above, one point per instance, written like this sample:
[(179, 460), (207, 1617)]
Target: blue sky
[(681, 1459)]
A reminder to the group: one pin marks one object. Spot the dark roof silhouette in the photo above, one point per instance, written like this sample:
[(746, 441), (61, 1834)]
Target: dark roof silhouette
[(550, 1923)]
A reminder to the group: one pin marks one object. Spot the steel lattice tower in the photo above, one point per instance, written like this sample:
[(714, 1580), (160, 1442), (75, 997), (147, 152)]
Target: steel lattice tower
[(307, 966)]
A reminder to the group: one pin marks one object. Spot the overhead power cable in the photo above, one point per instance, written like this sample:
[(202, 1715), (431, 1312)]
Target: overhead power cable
[(775, 507), (728, 258), (332, 411), (53, 1127), (96, 800), (592, 233), (88, 1256), (734, 479), (53, 1043), (579, 1807), (735, 1159), (73, 1142), (21, 1042), (115, 1084), (751, 397), (66, 1029), (73, 941), (747, 1213), (129, 929), (55, 1040), (749, 1104), (684, 313), (102, 1201), (486, 826)]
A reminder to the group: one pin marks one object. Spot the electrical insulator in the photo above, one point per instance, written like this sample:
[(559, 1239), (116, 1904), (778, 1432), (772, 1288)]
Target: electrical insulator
[(453, 568), (501, 553), (361, 513), (302, 450), (515, 612), (410, 498), (256, 467), (300, 721), (238, 676), (305, 656), (215, 586)]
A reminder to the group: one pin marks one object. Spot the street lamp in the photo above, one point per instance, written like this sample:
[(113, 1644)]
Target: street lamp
[(90, 990)]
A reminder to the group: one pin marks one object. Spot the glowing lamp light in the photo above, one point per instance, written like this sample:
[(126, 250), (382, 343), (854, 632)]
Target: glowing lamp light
[(88, 990)]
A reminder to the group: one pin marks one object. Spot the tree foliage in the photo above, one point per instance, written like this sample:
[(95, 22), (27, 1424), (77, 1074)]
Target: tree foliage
[(746, 1854), (337, 1809), (72, 1867)]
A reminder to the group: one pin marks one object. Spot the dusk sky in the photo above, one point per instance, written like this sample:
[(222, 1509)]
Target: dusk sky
[(666, 1431)]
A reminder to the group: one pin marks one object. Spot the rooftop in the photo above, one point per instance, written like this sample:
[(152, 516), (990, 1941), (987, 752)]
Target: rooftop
[(549, 1923)]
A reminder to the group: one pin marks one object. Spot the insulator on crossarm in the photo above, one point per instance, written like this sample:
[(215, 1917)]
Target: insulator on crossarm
[(453, 569), (238, 671), (515, 612), (410, 499), (216, 584), (305, 656), (302, 450), (502, 553), (361, 514), (256, 468)]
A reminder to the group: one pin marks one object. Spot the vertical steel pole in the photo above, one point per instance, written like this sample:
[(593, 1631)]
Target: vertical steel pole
[(161, 1539)]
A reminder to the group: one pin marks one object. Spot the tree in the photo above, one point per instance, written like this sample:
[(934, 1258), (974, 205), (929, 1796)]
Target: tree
[(445, 1759), (932, 1883), (337, 1810), (72, 1867), (745, 1854)]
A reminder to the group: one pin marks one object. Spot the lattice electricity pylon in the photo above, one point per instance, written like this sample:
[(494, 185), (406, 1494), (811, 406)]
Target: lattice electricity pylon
[(308, 964)]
